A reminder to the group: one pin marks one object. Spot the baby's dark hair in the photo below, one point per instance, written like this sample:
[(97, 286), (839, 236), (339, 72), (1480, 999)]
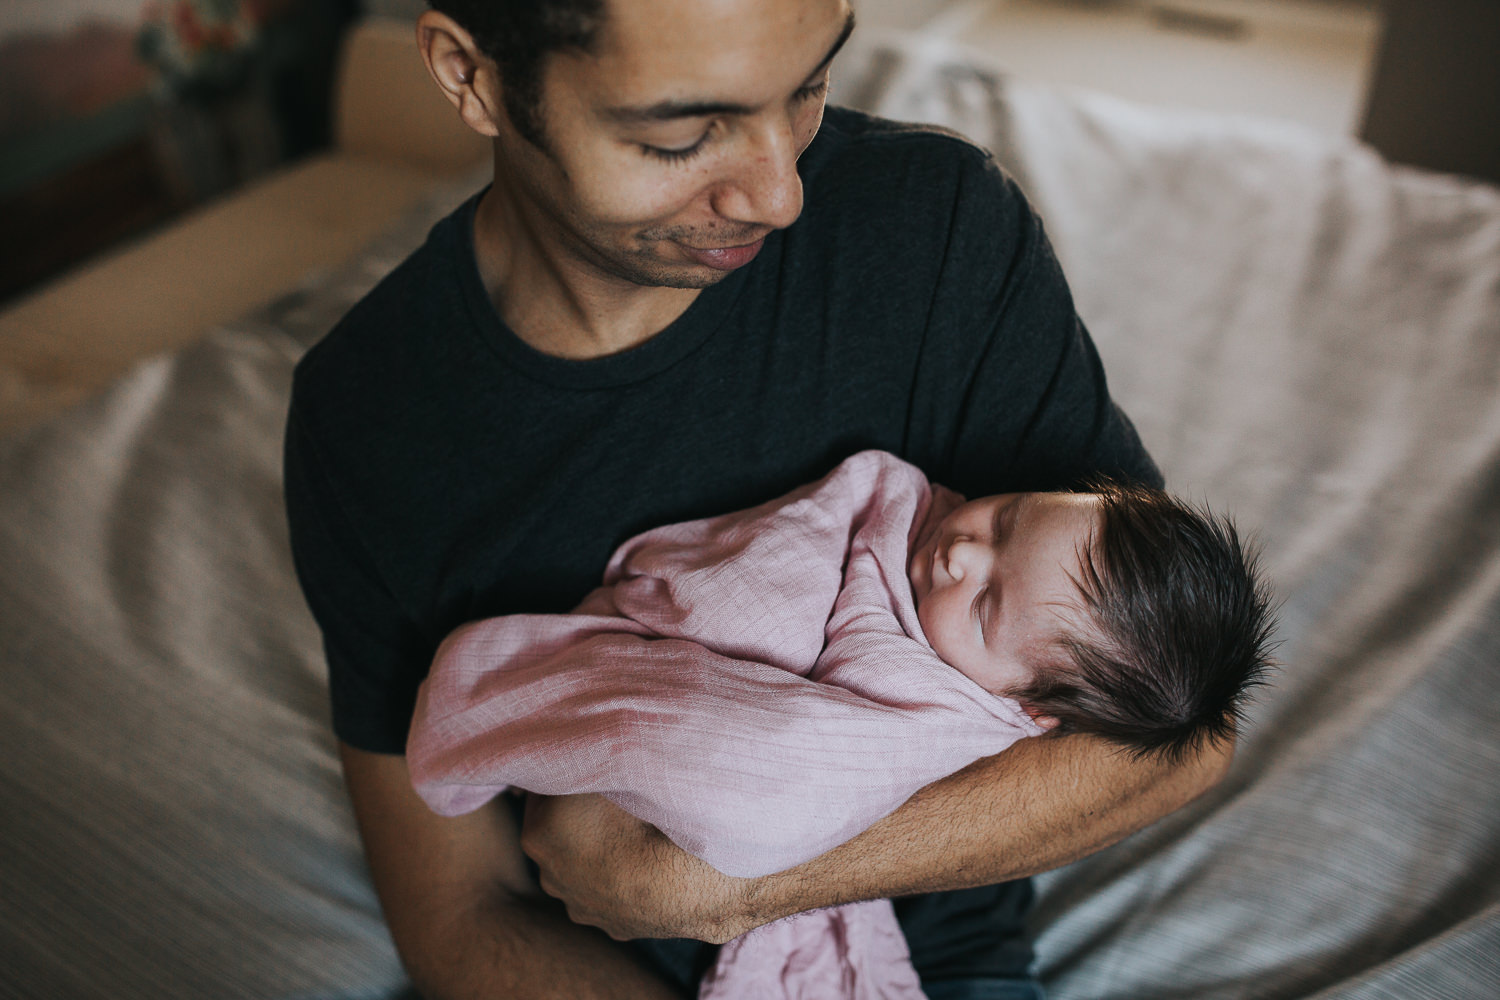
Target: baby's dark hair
[(519, 35), (1177, 629)]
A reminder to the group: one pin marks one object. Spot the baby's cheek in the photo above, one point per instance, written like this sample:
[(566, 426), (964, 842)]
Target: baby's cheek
[(939, 637), (929, 629)]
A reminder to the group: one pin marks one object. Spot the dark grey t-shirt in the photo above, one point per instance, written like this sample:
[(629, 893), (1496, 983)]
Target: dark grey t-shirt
[(439, 470)]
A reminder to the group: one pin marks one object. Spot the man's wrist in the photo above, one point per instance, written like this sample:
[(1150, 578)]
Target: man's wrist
[(726, 906), (757, 901)]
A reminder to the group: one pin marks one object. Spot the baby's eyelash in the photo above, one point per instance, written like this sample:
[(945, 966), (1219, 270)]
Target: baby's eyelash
[(977, 609)]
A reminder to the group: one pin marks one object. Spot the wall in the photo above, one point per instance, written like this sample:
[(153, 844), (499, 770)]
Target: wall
[(91, 152), (61, 62)]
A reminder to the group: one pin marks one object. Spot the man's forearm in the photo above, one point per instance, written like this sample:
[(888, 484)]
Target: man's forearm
[(467, 919), (526, 947), (1039, 805)]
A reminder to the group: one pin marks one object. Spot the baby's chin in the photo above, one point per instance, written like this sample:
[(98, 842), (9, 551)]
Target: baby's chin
[(919, 586), (921, 541), (919, 560)]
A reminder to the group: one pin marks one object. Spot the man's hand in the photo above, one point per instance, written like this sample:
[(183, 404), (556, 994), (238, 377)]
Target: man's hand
[(623, 876)]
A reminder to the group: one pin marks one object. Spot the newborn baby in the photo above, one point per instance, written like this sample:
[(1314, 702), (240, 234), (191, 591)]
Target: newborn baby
[(764, 685), (996, 581), (1117, 611)]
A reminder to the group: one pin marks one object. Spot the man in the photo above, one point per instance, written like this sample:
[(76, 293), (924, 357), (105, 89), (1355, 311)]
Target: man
[(685, 292)]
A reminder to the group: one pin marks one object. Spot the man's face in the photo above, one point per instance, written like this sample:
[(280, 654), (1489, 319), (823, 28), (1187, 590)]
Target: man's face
[(671, 148), (994, 581)]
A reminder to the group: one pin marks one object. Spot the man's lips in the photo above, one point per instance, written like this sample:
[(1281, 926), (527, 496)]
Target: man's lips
[(725, 258)]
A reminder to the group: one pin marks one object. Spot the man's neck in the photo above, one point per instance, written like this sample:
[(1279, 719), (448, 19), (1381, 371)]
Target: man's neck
[(556, 303)]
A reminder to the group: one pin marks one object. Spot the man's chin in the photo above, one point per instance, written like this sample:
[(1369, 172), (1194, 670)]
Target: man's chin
[(660, 274), (693, 281)]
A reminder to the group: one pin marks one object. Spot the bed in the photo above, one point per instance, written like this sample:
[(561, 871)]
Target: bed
[(1305, 335)]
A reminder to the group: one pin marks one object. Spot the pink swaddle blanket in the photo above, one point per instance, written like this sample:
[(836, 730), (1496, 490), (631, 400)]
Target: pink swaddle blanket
[(755, 685)]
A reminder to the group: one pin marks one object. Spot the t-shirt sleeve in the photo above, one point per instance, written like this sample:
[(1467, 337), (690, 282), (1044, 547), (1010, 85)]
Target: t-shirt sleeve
[(369, 641), (1035, 410)]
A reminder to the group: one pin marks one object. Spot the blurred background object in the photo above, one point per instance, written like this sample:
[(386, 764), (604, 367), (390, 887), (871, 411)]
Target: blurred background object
[(1434, 100), (1304, 61), (162, 106), (212, 123), (116, 116)]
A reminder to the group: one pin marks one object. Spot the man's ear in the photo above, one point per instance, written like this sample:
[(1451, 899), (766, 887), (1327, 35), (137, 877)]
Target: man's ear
[(466, 76)]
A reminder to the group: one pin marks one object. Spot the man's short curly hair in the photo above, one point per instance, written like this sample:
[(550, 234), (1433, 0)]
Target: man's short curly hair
[(519, 35), (1176, 628)]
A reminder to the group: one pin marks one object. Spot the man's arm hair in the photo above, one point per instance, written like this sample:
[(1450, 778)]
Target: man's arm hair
[(466, 918), (1039, 805)]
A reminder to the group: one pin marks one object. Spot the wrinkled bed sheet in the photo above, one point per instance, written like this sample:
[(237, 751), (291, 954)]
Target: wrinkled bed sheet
[(1305, 336)]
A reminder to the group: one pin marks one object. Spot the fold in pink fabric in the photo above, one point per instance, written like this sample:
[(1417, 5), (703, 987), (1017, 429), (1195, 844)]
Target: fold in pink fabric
[(756, 685)]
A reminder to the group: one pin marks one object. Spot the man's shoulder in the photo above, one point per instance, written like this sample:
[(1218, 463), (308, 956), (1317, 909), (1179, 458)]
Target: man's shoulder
[(920, 178), (857, 130), (391, 322), (853, 142)]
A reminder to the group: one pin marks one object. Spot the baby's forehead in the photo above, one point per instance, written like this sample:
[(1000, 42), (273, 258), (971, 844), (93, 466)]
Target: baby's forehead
[(1043, 501), (1053, 515)]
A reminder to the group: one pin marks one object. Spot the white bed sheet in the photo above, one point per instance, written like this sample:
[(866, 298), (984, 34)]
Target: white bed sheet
[(172, 817)]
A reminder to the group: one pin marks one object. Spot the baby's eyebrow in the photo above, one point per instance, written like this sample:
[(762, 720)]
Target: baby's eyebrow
[(1005, 517)]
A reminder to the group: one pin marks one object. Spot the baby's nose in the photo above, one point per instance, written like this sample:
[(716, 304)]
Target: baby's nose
[(963, 557)]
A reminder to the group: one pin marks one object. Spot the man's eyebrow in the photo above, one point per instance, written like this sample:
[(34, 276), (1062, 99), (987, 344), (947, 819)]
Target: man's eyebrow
[(838, 43), (664, 111)]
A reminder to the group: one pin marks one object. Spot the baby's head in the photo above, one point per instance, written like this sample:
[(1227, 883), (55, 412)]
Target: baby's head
[(1118, 611)]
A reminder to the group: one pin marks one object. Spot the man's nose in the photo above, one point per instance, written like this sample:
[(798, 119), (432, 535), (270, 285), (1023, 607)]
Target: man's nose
[(764, 188)]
